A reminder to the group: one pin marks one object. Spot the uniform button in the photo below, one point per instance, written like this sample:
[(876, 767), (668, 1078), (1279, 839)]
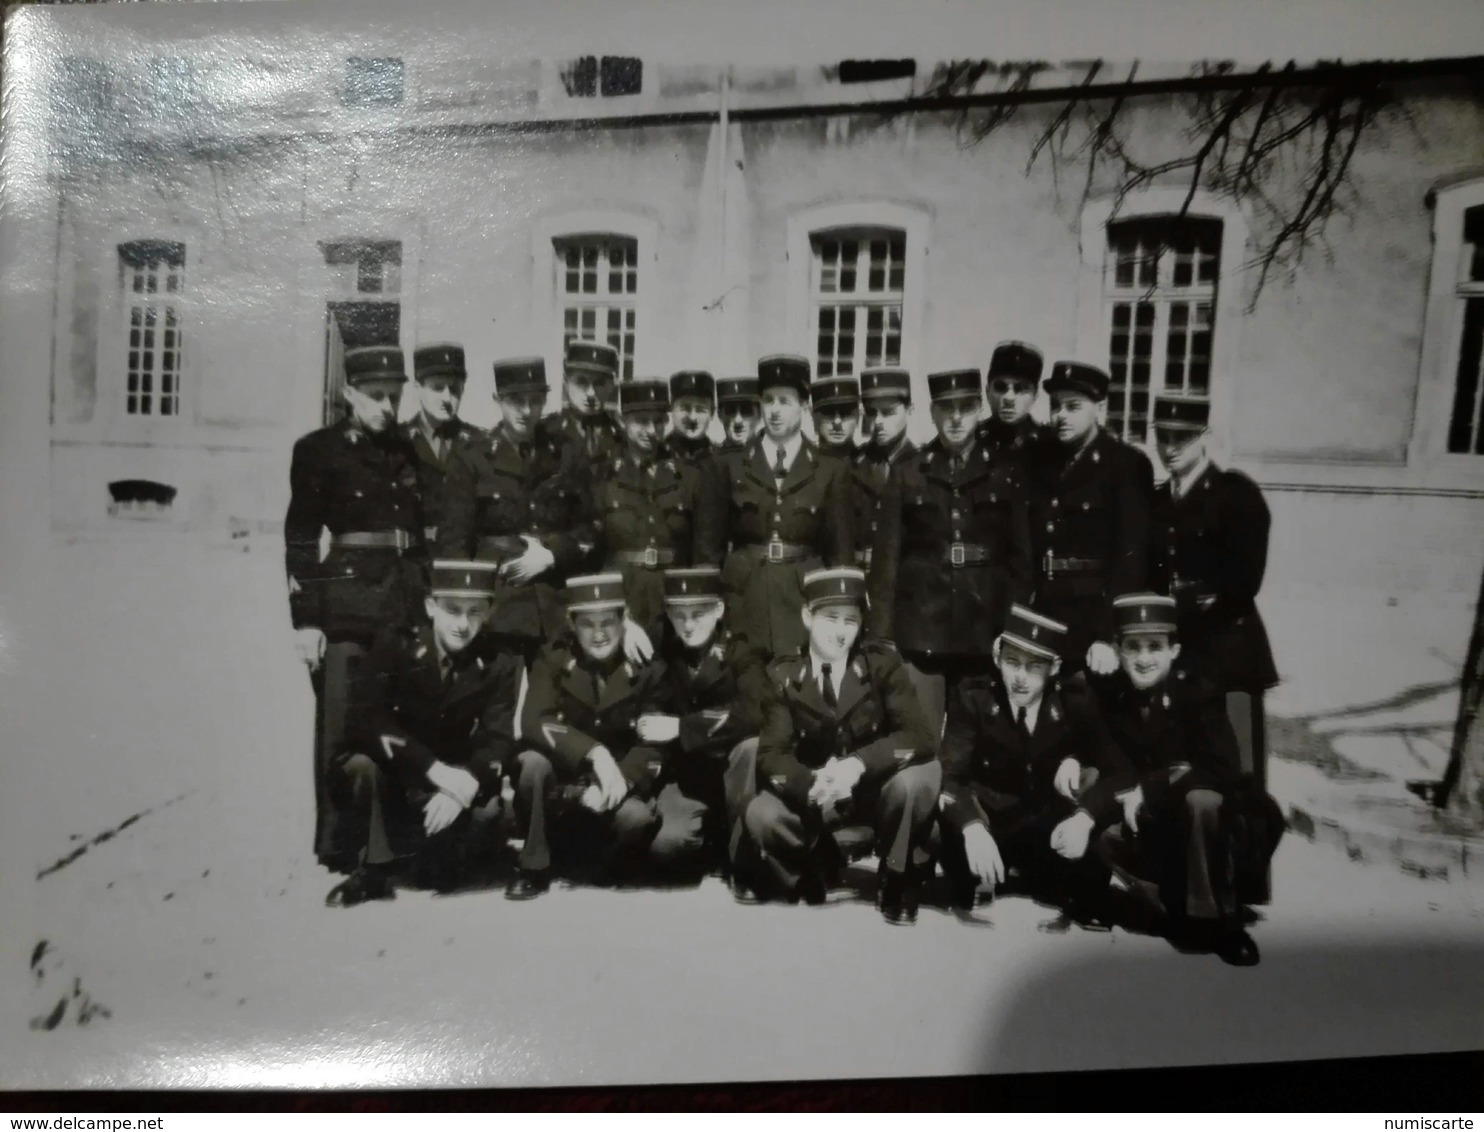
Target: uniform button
[(777, 518), (955, 514), (957, 535), (1056, 503), (1051, 526)]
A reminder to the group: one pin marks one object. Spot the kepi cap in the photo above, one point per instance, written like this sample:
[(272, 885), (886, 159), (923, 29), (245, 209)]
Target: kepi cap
[(1181, 412), (1016, 359), (583, 356), (1144, 613), (693, 586), (788, 370), (442, 359), (737, 389), (1029, 630), (693, 383), (1078, 377), (459, 578), (520, 375), (650, 393), (594, 591), (835, 391), (886, 381), (949, 383), (844, 584), (374, 363)]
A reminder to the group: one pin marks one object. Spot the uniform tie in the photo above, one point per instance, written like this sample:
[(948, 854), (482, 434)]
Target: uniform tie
[(1023, 724), (780, 469), (827, 686)]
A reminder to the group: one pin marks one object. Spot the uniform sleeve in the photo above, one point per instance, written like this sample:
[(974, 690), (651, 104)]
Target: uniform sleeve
[(960, 740), (778, 769), (712, 732), (302, 525), (1129, 571), (1246, 520), (573, 542), (494, 741), (886, 557), (909, 738), (1097, 750), (567, 746), (373, 726), (838, 547)]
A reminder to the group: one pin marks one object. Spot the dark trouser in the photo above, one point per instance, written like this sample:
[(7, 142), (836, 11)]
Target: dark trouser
[(383, 818), (1181, 858), (900, 810), (332, 679), (555, 825), (1249, 721), (1022, 833)]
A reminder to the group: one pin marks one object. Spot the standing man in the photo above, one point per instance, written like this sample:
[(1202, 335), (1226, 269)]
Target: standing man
[(1030, 775), (1210, 552), (692, 405), (740, 405), (430, 731), (843, 741), (438, 435), (589, 387), (953, 548), (886, 402), (358, 480), (531, 509), (1090, 495), (775, 509), (648, 503), (1010, 389), (837, 414)]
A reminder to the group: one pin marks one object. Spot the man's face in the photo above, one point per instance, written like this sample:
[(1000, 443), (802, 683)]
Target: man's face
[(742, 420), (588, 393), (438, 397), (695, 623), (1074, 416), (833, 629), (1179, 450), (457, 620), (836, 423), (1010, 398), (1025, 673), (520, 413), (1147, 657), (886, 420), (599, 632), (691, 416), (783, 412), (956, 417), (644, 427), (373, 404)]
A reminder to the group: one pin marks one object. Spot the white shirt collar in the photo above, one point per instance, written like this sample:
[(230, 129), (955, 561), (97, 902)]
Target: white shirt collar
[(1032, 712), (1185, 483), (837, 670), (790, 450)]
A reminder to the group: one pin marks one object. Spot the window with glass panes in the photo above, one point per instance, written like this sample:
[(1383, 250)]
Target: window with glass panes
[(152, 275), (598, 288), (1466, 425), (1159, 285), (856, 294)]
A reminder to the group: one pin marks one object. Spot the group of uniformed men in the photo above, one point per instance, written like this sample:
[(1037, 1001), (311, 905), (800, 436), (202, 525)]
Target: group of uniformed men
[(1005, 652)]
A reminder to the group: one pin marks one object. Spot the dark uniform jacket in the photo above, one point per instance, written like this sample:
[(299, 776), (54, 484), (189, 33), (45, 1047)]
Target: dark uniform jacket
[(696, 453), (1183, 720), (1089, 518), (807, 518), (544, 490), (344, 480), (877, 719), (567, 714), (714, 695), (1210, 551), (988, 767), (405, 714), (598, 438), (444, 482), (1013, 442), (870, 477), (919, 598), (648, 507)]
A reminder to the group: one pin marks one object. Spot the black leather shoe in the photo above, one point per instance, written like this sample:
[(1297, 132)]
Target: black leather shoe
[(812, 890), (1238, 948), (527, 884), (897, 897), (361, 886)]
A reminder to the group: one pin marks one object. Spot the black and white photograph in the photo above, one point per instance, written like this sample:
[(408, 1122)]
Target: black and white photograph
[(611, 544)]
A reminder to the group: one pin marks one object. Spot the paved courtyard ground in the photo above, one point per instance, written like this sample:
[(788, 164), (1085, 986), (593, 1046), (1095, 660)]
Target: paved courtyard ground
[(163, 687)]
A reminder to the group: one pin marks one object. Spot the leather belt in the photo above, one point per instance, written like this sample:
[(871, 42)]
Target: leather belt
[(966, 554), (775, 551), (1054, 566), (650, 556), (374, 540)]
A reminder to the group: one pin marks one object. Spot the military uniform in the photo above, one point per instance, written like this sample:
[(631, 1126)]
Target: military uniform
[(648, 506), (541, 489), (696, 453), (1014, 443), (678, 446), (871, 467), (364, 489), (1089, 520), (952, 552), (441, 472), (735, 391), (412, 707), (1210, 552), (999, 772), (776, 529), (574, 705), (597, 436), (1201, 831)]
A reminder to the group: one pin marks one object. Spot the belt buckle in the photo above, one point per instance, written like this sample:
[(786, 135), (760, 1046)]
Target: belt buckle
[(1047, 564), (403, 541), (775, 549), (651, 557), (956, 554)]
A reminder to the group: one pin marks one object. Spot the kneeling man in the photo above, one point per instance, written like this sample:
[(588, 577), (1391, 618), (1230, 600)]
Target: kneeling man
[(1029, 775), (844, 740), (430, 728)]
